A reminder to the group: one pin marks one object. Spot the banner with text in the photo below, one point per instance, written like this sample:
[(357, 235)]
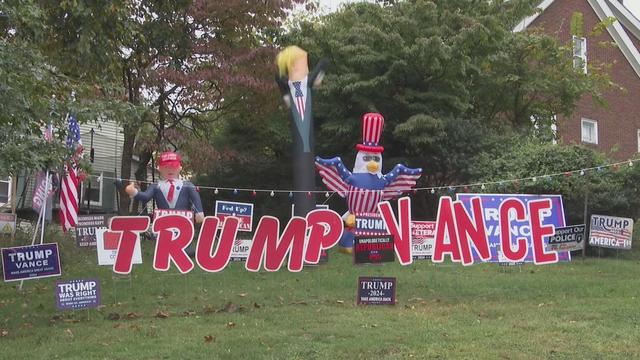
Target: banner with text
[(519, 229), (376, 291), (423, 234), (611, 232), (87, 226), (107, 247), (77, 294), (7, 224), (243, 211), (568, 238), (30, 262)]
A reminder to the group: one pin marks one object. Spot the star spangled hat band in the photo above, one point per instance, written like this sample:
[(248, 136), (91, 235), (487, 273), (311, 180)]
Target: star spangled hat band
[(372, 124)]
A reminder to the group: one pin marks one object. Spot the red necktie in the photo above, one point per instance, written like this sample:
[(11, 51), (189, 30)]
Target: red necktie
[(171, 191)]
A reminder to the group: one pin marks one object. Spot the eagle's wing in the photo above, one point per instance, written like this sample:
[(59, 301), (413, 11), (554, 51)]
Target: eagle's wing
[(334, 174), (401, 179)]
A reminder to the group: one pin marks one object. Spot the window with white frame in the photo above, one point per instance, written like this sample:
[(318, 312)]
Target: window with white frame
[(589, 131), (5, 190), (95, 193), (580, 53)]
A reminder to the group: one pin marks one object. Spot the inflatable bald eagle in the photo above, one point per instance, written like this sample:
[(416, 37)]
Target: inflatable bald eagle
[(366, 186)]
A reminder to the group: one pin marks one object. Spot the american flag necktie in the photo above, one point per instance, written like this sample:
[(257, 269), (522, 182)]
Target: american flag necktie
[(299, 98), (172, 189)]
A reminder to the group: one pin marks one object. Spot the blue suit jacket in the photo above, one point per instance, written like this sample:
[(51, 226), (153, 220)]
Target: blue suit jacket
[(304, 129), (187, 199)]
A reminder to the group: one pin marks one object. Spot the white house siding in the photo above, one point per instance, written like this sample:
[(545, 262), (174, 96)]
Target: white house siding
[(107, 143)]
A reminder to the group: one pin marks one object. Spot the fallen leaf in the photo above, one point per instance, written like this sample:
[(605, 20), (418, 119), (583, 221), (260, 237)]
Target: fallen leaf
[(188, 313), (300, 302), (281, 300), (69, 333), (4, 333), (231, 324), (256, 305), (113, 316), (209, 338), (161, 314), (132, 316), (242, 294), (340, 301)]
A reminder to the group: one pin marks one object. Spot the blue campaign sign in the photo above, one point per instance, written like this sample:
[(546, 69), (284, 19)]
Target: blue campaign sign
[(78, 294), (370, 224), (376, 291), (243, 211), (521, 229), (30, 262)]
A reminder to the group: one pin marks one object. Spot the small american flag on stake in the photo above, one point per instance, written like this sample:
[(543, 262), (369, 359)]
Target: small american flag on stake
[(69, 187)]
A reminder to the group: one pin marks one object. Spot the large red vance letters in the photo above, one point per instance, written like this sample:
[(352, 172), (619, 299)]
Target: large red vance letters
[(458, 233), (462, 231)]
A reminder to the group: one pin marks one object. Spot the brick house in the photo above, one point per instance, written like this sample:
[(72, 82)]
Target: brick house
[(614, 130)]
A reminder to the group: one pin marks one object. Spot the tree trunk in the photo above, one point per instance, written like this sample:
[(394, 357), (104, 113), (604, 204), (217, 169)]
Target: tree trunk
[(130, 133), (125, 168), (141, 174)]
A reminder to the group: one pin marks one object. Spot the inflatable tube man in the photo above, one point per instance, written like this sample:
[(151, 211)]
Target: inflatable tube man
[(296, 84), (365, 187), (171, 192)]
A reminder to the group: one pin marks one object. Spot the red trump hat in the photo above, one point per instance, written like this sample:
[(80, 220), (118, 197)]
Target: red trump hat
[(169, 158), (372, 124)]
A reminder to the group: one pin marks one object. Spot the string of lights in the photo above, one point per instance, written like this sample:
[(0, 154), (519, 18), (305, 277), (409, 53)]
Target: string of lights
[(482, 185)]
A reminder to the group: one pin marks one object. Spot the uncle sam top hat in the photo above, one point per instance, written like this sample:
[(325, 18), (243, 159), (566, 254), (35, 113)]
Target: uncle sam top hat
[(372, 124)]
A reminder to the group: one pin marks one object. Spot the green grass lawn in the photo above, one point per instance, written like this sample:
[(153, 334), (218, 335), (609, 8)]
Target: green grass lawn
[(587, 309)]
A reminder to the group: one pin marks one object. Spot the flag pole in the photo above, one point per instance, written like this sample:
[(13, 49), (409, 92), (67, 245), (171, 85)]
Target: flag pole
[(44, 204), (40, 223)]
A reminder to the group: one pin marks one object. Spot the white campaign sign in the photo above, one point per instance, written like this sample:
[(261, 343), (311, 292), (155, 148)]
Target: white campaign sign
[(108, 249)]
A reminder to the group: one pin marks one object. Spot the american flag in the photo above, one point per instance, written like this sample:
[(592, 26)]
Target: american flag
[(363, 200), (48, 133), (69, 187)]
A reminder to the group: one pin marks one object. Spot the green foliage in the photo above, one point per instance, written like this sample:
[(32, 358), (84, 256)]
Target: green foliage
[(41, 81), (577, 24), (611, 191)]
